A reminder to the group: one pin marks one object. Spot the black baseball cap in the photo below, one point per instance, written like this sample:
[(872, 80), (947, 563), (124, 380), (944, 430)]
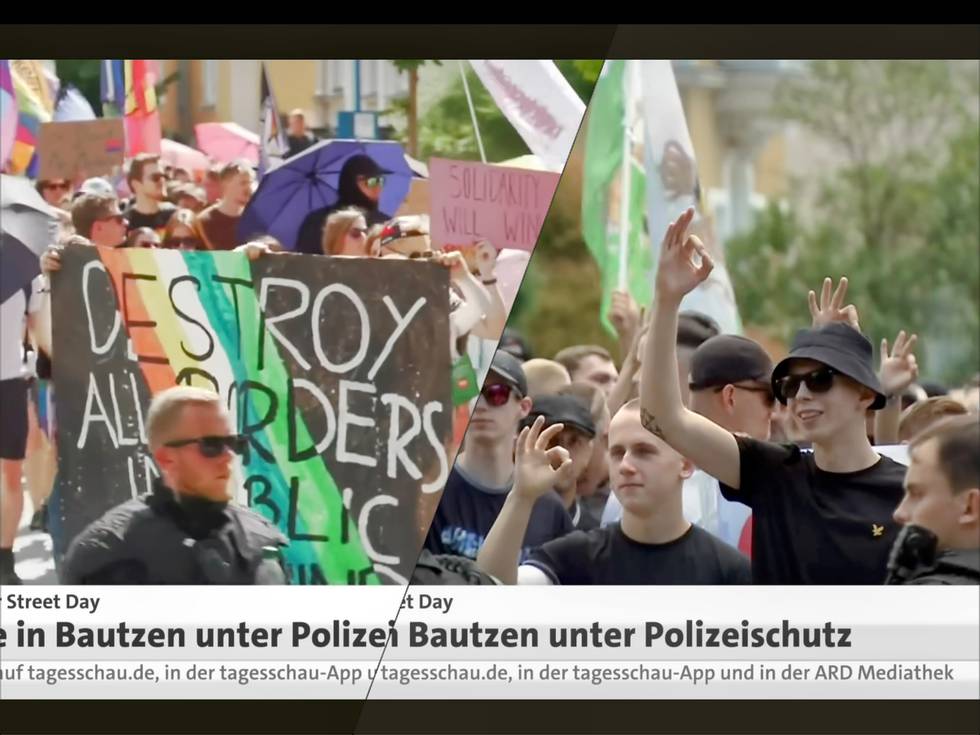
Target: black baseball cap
[(516, 344), (562, 409), (729, 358), (839, 346), (695, 328), (508, 367)]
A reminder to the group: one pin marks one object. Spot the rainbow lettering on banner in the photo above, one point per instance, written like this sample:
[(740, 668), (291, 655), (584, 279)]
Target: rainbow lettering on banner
[(158, 318)]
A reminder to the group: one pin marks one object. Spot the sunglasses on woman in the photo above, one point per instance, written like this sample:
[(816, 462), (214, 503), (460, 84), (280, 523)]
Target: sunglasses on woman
[(496, 394), (373, 181), (820, 380), (213, 446)]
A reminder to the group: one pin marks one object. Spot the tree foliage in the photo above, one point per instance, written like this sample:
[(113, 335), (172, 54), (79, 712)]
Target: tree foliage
[(895, 209)]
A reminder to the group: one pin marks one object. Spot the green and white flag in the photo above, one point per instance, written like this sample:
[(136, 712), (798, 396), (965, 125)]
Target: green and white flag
[(614, 233)]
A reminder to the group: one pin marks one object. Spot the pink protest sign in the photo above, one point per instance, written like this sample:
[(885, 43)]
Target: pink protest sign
[(476, 201)]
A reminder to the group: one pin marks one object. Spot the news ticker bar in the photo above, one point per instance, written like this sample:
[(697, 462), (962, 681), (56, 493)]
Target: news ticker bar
[(480, 679), (750, 624)]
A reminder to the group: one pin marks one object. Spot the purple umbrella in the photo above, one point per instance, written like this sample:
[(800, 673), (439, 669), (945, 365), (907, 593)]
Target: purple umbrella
[(310, 181)]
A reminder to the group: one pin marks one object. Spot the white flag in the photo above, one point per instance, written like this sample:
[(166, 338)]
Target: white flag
[(538, 101), (671, 182), (273, 149)]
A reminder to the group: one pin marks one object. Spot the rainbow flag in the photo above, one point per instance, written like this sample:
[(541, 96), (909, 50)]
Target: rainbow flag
[(32, 110), (8, 113), (128, 89)]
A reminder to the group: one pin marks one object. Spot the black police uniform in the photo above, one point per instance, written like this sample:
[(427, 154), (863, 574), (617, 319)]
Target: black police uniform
[(163, 538), (914, 559)]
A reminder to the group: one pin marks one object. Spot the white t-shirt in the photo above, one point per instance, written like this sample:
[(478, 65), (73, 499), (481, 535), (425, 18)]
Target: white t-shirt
[(13, 321)]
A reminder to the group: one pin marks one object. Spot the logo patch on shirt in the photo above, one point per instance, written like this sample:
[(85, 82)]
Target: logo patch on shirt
[(877, 530)]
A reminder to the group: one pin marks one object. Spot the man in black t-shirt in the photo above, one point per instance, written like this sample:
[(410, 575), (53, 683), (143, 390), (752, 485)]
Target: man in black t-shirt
[(150, 207), (653, 544), (481, 479), (818, 518)]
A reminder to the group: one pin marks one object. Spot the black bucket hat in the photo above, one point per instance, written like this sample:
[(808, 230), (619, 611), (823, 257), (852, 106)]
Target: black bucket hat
[(839, 346)]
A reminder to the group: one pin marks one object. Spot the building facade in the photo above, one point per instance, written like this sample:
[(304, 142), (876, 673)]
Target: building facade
[(227, 90)]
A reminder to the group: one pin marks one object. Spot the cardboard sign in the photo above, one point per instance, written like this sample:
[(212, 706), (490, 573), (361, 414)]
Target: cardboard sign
[(336, 370), (476, 201), (418, 200), (80, 150)]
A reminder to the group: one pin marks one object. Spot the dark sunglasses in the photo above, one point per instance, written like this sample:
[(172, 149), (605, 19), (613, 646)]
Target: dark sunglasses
[(63, 185), (117, 218), (182, 242), (158, 176), (497, 394), (213, 446), (817, 381)]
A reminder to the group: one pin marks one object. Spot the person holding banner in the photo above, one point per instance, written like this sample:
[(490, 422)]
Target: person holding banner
[(186, 531), (818, 518), (97, 218), (654, 543)]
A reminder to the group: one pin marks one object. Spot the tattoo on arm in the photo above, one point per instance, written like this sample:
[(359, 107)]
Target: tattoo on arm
[(649, 422)]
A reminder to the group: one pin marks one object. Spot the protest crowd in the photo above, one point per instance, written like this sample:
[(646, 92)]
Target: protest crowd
[(694, 456), (186, 531), (697, 460)]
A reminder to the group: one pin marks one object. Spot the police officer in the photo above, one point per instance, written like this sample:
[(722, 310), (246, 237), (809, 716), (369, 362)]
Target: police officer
[(940, 543), (185, 531)]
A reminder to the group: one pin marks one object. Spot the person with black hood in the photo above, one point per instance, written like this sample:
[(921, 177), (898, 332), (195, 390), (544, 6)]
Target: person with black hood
[(360, 185), (940, 541), (820, 517)]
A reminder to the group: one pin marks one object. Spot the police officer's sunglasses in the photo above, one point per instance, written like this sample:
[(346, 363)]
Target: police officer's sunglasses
[(213, 446)]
